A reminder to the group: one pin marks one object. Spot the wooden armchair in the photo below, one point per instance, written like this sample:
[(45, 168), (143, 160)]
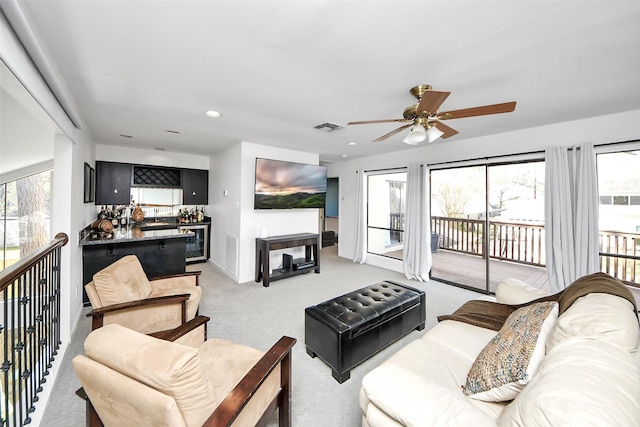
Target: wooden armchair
[(122, 294), (132, 379)]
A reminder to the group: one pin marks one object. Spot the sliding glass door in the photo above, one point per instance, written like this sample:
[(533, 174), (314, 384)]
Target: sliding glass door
[(619, 213), (387, 192), (458, 212), (516, 223), (489, 222)]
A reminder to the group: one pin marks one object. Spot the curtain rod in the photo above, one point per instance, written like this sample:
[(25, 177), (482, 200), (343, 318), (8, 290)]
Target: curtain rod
[(527, 153), (399, 168)]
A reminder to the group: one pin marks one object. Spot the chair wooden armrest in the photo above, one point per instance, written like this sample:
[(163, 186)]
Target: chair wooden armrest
[(197, 274), (174, 334), (97, 314), (235, 401)]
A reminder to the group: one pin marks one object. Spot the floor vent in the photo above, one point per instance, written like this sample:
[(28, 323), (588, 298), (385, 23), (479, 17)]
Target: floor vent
[(232, 255)]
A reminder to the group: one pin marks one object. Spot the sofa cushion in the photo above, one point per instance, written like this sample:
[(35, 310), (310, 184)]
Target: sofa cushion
[(514, 291), (122, 281), (510, 359), (581, 382), (420, 383), (601, 316)]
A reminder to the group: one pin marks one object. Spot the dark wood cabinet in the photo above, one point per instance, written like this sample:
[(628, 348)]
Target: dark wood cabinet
[(195, 186), (156, 177), (113, 183)]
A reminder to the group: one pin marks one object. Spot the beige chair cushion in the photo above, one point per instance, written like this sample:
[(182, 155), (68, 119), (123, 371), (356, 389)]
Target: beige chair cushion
[(170, 368), (177, 286), (122, 281), (226, 363), (94, 298), (104, 386), (147, 319)]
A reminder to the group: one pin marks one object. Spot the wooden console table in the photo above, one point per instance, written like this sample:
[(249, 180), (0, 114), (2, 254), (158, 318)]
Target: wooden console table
[(268, 244)]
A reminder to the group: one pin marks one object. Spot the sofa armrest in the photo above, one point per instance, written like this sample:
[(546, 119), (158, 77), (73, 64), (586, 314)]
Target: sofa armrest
[(98, 314), (237, 399)]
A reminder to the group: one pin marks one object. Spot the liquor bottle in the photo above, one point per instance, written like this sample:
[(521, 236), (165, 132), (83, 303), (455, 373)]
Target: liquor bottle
[(114, 217)]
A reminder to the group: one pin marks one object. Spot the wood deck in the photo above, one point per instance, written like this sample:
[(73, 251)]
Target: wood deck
[(470, 271)]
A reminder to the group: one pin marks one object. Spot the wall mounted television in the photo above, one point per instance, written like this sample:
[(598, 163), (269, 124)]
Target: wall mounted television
[(289, 185)]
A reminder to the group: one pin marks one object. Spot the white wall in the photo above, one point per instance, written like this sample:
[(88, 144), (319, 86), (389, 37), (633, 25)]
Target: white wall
[(604, 129), (234, 214), (71, 147), (224, 209)]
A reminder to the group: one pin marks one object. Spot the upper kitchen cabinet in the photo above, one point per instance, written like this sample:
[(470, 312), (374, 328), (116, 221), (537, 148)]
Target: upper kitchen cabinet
[(156, 176), (195, 187), (113, 183)]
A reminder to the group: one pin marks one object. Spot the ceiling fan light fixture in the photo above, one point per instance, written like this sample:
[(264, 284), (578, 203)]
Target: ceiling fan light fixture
[(416, 135), (433, 133)]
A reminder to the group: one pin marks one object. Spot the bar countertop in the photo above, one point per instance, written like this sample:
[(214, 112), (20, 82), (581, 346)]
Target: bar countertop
[(133, 234)]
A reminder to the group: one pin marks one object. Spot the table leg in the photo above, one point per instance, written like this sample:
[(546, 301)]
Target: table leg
[(316, 257), (258, 264), (266, 269)]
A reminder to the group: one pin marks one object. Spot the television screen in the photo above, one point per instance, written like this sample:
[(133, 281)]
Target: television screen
[(289, 185)]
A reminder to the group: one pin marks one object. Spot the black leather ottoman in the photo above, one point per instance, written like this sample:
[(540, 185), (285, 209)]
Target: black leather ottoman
[(347, 330)]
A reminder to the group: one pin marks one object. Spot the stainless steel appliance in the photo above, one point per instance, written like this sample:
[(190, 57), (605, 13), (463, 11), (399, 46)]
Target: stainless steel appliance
[(198, 243)]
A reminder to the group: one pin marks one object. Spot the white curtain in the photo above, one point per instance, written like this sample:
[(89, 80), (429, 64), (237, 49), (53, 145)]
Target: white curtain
[(360, 253), (417, 234), (571, 214)]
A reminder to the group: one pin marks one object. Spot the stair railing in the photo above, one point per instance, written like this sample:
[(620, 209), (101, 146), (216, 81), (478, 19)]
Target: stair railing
[(29, 329)]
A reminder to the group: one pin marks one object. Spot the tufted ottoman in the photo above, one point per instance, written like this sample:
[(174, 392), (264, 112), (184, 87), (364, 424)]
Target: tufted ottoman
[(348, 329)]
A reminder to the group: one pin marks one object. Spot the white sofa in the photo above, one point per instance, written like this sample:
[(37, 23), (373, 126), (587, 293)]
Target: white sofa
[(588, 373)]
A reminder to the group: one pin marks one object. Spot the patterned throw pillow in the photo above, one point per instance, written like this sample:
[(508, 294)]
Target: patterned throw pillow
[(511, 358)]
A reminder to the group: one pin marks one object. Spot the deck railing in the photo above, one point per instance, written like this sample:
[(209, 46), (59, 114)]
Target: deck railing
[(620, 255), (29, 329), (524, 243)]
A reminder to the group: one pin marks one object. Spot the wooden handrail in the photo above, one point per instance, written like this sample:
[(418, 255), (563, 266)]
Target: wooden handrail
[(15, 271)]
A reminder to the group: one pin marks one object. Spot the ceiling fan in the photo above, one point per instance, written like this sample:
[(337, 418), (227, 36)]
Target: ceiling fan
[(425, 119)]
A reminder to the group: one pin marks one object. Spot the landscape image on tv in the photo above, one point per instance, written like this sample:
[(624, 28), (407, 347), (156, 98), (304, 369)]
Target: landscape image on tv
[(289, 185)]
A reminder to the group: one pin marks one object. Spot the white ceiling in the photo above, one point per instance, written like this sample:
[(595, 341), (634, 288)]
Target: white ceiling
[(275, 69)]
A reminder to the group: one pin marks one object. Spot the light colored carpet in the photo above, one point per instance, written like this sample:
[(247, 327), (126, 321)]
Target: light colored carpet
[(256, 316)]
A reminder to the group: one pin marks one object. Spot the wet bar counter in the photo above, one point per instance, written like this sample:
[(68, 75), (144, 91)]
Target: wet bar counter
[(161, 252)]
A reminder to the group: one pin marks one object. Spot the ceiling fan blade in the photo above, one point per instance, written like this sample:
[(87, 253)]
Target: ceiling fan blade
[(506, 107), (365, 122), (430, 102), (393, 132), (447, 131)]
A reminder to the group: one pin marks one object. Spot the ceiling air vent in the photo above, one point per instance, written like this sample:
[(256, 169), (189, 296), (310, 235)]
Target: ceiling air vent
[(328, 127)]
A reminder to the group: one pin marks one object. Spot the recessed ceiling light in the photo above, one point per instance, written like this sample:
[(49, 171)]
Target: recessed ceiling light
[(175, 132), (125, 136), (212, 113), (352, 143), (343, 155)]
